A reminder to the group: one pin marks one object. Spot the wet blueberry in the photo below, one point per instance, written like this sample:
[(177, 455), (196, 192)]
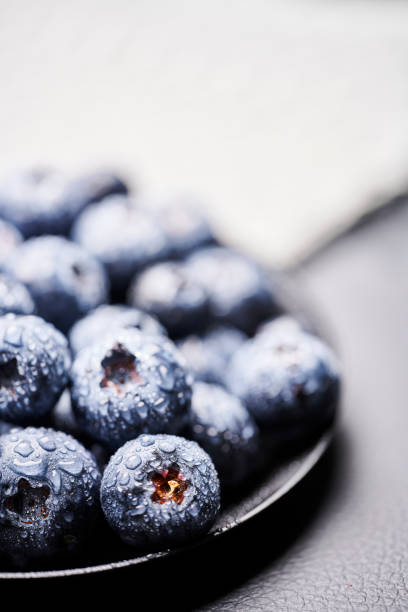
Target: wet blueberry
[(287, 378), (34, 368), (105, 319), (224, 428), (160, 490), (130, 383), (49, 488)]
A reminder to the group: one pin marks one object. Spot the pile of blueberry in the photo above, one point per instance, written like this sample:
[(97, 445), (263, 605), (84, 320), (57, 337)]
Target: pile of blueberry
[(142, 363)]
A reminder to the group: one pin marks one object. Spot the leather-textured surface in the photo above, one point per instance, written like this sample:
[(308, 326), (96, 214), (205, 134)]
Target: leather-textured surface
[(353, 553), (339, 541)]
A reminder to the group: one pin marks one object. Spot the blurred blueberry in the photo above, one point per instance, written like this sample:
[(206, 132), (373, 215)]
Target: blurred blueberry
[(208, 355), (288, 379), (64, 280), (241, 293), (124, 236), (107, 318), (10, 238), (168, 291)]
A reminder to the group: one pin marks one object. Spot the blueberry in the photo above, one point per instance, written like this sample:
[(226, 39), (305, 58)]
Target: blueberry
[(208, 355), (14, 297), (184, 226), (224, 428), (160, 490), (287, 378), (34, 200), (91, 187), (46, 201), (108, 318), (284, 324), (49, 487), (168, 291), (10, 238), (130, 383), (241, 293), (64, 280), (124, 236), (34, 368)]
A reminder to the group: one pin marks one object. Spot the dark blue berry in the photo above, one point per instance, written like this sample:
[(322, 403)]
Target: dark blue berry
[(130, 383), (105, 319), (160, 490), (10, 238), (14, 297), (184, 226), (46, 201), (64, 280), (49, 488), (168, 291), (124, 236), (224, 428), (241, 293), (208, 356), (34, 201), (287, 378), (34, 368)]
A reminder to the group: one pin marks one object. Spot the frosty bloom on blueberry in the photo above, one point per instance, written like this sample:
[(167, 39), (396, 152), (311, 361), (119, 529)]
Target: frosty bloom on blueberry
[(160, 490), (49, 486), (130, 383), (34, 368)]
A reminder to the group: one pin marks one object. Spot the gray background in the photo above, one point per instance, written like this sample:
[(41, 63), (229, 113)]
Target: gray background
[(285, 118)]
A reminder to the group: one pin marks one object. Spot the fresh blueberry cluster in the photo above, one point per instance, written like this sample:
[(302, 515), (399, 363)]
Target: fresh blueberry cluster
[(103, 418)]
